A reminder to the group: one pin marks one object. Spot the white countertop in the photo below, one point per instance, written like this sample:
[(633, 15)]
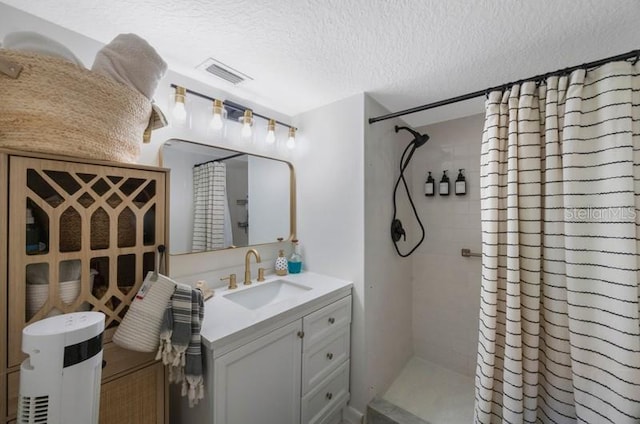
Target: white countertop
[(225, 321)]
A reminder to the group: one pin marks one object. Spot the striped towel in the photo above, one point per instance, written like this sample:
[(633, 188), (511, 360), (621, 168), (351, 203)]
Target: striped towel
[(180, 341)]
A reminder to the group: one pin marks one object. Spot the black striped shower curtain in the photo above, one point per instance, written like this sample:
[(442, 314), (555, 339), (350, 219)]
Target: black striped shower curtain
[(211, 220), (559, 338)]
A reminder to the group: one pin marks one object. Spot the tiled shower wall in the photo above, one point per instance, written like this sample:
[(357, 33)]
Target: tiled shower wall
[(446, 286)]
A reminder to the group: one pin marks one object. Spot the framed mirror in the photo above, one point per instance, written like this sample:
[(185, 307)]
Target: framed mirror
[(221, 198)]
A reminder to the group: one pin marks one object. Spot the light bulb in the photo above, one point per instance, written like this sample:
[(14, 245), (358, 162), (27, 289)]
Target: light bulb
[(246, 130), (216, 121), (179, 111), (291, 141), (218, 115), (271, 132), (271, 137), (247, 122)]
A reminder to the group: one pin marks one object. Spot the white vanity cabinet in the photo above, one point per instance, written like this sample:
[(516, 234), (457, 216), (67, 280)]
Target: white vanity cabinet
[(293, 370), (260, 381)]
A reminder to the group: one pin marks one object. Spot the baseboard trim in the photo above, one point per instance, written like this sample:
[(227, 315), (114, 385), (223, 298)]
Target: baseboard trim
[(352, 416)]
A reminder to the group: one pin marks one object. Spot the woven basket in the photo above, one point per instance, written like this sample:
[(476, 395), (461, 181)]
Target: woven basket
[(70, 232), (140, 327), (57, 107)]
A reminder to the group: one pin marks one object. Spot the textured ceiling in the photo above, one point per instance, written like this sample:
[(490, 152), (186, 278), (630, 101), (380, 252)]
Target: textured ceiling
[(307, 53)]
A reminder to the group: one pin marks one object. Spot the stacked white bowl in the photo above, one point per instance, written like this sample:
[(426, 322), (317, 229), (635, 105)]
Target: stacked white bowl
[(37, 295), (38, 287)]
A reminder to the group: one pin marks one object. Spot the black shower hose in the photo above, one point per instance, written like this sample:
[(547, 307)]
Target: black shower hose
[(396, 224)]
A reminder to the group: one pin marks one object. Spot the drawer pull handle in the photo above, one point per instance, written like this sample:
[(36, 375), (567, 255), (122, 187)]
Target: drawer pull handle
[(332, 320), (329, 356), (301, 334), (329, 395)]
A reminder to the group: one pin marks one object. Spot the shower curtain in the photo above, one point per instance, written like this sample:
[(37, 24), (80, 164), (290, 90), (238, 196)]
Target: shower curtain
[(211, 217), (559, 338)]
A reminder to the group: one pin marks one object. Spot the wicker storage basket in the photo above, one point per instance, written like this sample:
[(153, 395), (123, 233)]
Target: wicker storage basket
[(57, 107)]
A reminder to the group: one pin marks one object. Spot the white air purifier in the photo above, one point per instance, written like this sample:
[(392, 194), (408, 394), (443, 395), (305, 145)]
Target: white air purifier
[(60, 380)]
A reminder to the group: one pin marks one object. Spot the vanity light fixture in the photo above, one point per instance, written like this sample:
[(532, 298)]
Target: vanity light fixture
[(271, 131), (179, 111), (218, 116), (223, 110), (291, 141), (247, 123)]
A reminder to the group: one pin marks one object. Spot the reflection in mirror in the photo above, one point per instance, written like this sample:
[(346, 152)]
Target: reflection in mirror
[(222, 198)]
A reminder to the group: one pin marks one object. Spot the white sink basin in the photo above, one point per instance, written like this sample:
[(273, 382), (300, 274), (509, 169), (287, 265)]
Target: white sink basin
[(263, 294)]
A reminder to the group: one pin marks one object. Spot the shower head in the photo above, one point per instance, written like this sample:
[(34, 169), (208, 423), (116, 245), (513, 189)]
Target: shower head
[(419, 139)]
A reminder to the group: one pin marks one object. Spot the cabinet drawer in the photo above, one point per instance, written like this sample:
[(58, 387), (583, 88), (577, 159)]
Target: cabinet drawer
[(324, 357), (327, 397), (118, 360), (322, 322)]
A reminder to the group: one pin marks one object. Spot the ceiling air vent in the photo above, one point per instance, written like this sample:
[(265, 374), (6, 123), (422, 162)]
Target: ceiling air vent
[(222, 71)]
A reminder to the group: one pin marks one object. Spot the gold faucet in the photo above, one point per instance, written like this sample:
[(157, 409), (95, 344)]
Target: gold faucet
[(247, 267)]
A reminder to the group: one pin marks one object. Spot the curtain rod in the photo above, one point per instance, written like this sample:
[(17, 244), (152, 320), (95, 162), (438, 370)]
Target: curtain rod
[(232, 105), (219, 160), (625, 56)]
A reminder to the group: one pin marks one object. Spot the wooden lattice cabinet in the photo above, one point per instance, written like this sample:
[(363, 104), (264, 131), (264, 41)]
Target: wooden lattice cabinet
[(81, 236)]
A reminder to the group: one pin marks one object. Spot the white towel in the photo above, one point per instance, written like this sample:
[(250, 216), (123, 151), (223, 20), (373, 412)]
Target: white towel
[(27, 41), (130, 60)]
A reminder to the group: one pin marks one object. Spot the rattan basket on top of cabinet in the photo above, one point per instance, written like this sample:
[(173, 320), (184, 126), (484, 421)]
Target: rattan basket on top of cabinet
[(81, 236)]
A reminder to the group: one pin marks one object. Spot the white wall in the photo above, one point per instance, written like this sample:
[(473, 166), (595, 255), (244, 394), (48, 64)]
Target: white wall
[(237, 171), (181, 199), (388, 296), (446, 286), (330, 171), (269, 203)]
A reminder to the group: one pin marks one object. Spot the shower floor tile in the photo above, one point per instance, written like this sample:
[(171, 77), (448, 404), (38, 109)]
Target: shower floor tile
[(433, 393)]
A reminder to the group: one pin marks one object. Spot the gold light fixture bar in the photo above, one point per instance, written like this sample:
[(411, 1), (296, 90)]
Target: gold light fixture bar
[(228, 105)]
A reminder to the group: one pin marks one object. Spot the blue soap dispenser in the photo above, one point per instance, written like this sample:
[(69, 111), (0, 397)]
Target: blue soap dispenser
[(295, 260)]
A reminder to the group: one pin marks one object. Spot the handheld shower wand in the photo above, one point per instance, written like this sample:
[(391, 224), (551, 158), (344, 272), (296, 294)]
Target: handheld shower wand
[(397, 230)]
